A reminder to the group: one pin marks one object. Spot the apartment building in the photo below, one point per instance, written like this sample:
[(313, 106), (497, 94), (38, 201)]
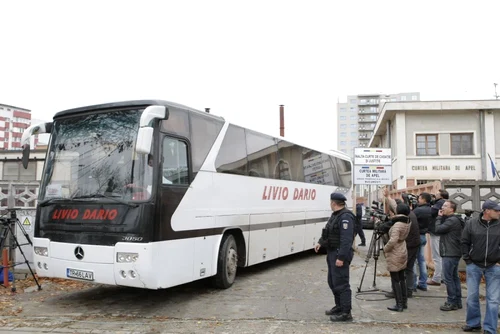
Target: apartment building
[(357, 118)]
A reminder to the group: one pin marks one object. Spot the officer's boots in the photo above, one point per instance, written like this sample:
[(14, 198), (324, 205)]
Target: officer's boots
[(341, 317), (334, 310), (398, 293)]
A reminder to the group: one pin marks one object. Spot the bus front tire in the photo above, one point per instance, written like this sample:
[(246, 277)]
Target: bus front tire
[(227, 263)]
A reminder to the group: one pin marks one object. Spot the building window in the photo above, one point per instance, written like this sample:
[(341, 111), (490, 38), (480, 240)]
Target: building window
[(461, 144), (353, 101), (343, 134), (427, 144), (419, 182), (13, 171), (414, 97), (352, 109), (353, 117), (354, 142), (354, 134), (353, 126), (343, 110), (342, 118), (342, 143), (343, 126), (344, 150), (403, 98)]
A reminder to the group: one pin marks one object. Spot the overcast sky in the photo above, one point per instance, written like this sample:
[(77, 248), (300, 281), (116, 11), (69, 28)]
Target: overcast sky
[(244, 59)]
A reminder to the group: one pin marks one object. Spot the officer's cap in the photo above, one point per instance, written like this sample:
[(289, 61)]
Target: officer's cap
[(338, 197)]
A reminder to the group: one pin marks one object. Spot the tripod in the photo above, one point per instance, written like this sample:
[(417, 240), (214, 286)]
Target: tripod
[(373, 250), (8, 233)]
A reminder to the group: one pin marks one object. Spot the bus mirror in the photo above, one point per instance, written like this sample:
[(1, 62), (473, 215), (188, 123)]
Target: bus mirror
[(26, 137), (144, 140), (26, 156), (151, 113)]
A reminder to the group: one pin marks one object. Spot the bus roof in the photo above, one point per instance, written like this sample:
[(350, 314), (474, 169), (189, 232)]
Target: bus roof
[(141, 103), (132, 103)]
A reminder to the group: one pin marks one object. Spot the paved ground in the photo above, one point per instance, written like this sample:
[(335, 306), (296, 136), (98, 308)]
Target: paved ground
[(285, 296)]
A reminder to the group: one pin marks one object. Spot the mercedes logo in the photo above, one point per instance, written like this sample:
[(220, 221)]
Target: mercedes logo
[(79, 253)]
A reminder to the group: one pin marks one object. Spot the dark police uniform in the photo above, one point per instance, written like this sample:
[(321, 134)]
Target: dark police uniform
[(337, 238)]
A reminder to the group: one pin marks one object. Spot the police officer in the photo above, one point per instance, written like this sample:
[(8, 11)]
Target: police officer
[(337, 237)]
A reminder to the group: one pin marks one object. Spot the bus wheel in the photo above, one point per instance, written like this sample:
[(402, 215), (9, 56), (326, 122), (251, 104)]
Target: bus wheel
[(227, 263)]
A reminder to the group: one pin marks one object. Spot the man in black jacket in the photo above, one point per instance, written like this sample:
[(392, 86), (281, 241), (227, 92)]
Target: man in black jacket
[(449, 228), (358, 228), (481, 251), (423, 213)]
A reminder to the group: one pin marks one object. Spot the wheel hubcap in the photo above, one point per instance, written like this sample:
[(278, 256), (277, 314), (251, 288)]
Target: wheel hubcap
[(232, 261)]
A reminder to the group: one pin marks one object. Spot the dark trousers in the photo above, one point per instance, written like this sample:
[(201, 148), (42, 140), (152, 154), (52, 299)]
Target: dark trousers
[(358, 229), (338, 281), (410, 264), (453, 286)]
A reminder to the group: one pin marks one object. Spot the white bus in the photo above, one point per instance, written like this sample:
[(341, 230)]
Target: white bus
[(153, 194)]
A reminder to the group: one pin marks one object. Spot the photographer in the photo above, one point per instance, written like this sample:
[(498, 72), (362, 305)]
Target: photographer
[(397, 256), (441, 197), (423, 214), (449, 227)]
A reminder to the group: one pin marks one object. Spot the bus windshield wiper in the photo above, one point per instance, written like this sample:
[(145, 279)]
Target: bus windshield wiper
[(50, 200), (96, 195)]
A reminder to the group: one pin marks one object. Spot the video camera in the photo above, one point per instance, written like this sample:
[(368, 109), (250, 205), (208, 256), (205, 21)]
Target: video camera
[(378, 213), (410, 199)]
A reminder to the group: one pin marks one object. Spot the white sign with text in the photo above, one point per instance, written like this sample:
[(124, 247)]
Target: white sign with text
[(378, 175), (372, 156)]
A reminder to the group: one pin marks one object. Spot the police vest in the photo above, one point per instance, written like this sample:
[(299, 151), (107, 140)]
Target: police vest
[(334, 231)]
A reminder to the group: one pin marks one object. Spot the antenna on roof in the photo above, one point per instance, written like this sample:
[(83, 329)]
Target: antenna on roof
[(496, 95)]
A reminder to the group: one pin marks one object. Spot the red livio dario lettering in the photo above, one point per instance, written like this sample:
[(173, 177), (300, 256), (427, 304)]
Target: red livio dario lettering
[(88, 214), (273, 193)]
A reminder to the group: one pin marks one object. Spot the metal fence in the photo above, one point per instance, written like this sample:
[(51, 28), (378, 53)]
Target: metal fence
[(21, 196)]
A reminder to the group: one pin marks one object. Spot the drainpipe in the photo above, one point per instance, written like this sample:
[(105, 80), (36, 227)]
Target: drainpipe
[(388, 134), (282, 120), (482, 136)]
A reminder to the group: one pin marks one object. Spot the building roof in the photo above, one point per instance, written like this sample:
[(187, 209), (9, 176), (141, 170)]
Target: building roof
[(389, 109), (13, 107)]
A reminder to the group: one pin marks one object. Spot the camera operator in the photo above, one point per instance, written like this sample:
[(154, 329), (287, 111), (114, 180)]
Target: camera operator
[(397, 257), (423, 214), (441, 197), (412, 247)]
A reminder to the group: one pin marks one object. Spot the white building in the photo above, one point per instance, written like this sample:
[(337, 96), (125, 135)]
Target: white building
[(439, 140)]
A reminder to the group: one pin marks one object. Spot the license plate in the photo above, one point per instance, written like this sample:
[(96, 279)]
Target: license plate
[(80, 274)]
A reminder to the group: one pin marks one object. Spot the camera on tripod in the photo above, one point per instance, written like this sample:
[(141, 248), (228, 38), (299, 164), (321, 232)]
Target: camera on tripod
[(379, 217)]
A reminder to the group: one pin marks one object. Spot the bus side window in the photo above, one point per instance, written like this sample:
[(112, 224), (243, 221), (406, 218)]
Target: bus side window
[(175, 162)]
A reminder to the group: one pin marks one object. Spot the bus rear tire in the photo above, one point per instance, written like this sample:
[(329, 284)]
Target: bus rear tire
[(227, 263)]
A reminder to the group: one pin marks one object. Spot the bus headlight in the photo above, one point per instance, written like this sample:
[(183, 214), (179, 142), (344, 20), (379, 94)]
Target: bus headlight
[(43, 251), (126, 257)]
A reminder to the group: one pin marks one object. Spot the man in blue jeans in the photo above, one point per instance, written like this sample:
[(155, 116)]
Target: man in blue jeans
[(448, 228), (481, 252), (423, 213)]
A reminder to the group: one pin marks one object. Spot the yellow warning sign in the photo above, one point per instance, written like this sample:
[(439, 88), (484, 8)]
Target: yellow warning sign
[(26, 221)]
